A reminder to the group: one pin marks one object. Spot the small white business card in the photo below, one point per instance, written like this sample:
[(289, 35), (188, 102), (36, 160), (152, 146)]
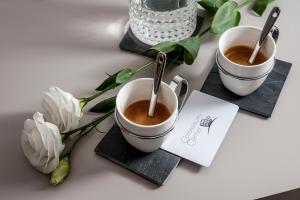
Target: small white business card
[(201, 128)]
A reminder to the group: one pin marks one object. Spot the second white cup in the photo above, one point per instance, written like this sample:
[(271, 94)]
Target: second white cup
[(243, 80)]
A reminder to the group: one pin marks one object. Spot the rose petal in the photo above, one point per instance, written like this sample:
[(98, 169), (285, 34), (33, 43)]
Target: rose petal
[(41, 143), (62, 109)]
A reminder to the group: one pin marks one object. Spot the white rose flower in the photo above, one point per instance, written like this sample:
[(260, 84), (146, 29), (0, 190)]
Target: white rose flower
[(41, 143), (62, 109)]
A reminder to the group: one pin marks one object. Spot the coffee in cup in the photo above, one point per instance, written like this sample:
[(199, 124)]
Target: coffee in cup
[(240, 54), (137, 112)]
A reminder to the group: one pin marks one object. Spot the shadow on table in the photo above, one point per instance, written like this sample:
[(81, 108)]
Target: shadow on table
[(14, 168), (80, 26), (15, 171), (289, 195), (252, 114), (189, 166)]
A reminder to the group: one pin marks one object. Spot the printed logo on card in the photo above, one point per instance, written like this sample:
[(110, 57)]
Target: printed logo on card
[(199, 125)]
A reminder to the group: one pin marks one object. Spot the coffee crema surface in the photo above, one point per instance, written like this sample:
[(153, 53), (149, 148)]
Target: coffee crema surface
[(240, 54), (138, 113)]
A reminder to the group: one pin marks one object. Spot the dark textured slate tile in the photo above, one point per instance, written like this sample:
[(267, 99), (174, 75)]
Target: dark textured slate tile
[(156, 166), (262, 101), (132, 44)]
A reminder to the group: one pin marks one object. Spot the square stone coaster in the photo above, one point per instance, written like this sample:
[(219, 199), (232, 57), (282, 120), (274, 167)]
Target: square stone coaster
[(156, 166), (262, 101)]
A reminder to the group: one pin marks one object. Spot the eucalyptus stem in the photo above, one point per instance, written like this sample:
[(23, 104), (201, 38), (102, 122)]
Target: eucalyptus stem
[(245, 3)]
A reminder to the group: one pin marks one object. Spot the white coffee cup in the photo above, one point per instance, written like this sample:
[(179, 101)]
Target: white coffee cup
[(240, 79), (142, 137)]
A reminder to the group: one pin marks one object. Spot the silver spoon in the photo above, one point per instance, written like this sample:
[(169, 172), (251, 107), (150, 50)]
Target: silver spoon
[(274, 14), (161, 60)]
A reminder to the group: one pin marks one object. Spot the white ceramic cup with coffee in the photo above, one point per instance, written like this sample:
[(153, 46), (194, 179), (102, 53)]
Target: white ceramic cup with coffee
[(148, 138), (244, 79)]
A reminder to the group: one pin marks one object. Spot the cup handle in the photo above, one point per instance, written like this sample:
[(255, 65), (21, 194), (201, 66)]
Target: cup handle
[(181, 84), (275, 33)]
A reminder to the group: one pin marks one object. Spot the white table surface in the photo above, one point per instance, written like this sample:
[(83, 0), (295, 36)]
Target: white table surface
[(71, 44)]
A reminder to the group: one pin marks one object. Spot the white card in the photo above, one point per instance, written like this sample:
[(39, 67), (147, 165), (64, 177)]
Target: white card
[(201, 128)]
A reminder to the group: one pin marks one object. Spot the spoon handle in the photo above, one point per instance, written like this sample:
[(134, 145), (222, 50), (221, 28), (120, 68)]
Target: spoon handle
[(274, 14), (161, 60)]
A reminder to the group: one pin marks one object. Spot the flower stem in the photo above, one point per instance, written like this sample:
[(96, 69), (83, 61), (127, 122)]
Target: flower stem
[(169, 64), (245, 3), (204, 32), (87, 130), (88, 99), (144, 66), (93, 124), (78, 139), (84, 101)]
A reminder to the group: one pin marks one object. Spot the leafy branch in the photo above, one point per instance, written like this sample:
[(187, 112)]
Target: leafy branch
[(226, 14), (260, 6)]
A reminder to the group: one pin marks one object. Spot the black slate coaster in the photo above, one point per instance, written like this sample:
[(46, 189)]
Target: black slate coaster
[(133, 44), (156, 166), (262, 101)]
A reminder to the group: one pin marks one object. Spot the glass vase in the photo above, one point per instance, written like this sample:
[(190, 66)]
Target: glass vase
[(155, 21)]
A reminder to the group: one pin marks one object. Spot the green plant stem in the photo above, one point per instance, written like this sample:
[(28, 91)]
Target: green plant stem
[(144, 66), (204, 32), (140, 68), (87, 130), (88, 99), (93, 124), (169, 64), (245, 3), (83, 133), (84, 101)]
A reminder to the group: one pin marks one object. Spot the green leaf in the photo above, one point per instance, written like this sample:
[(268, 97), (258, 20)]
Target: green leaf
[(226, 17), (212, 5), (165, 47), (116, 79), (124, 76), (104, 106), (61, 171), (191, 47), (260, 6), (107, 82)]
